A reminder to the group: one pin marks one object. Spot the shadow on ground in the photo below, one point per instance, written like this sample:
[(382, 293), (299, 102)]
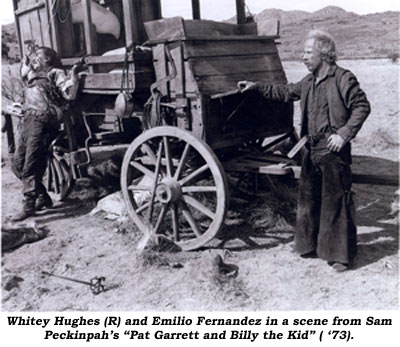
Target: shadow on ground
[(377, 211), (266, 220)]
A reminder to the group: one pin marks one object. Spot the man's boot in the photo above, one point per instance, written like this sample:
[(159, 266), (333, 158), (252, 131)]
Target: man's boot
[(43, 201), (28, 210)]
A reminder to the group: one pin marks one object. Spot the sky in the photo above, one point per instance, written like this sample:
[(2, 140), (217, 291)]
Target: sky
[(224, 9)]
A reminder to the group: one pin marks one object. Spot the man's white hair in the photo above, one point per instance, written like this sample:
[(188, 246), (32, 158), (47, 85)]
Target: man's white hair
[(324, 43)]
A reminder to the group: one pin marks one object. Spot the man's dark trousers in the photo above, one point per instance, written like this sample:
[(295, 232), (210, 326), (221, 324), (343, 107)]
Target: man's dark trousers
[(30, 158), (325, 215)]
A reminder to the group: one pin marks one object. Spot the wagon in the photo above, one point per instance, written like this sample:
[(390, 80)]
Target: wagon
[(164, 90)]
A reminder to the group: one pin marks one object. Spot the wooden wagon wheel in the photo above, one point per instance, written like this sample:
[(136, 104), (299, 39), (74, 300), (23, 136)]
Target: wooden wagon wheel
[(174, 186), (59, 177)]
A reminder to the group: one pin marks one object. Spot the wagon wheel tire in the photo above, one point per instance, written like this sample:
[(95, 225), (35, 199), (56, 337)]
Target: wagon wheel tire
[(59, 177), (174, 187)]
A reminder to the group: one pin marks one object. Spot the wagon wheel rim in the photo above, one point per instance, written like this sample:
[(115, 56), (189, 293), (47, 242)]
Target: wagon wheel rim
[(175, 187), (59, 179)]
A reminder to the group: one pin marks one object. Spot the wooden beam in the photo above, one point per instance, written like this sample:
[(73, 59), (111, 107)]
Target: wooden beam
[(128, 21), (55, 39), (141, 57), (29, 8), (196, 9), (21, 51), (151, 10), (240, 12), (90, 34), (157, 9), (382, 180), (64, 27)]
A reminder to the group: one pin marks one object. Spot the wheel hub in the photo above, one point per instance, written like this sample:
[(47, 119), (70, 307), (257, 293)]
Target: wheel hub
[(168, 190)]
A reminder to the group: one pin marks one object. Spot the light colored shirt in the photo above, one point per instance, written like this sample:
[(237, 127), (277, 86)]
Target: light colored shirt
[(49, 90)]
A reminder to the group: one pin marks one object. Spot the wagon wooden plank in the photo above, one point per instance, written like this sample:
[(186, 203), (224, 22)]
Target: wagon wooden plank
[(222, 38), (24, 32), (130, 31), (234, 65), (55, 39), (44, 19), (139, 59), (170, 28), (37, 30), (239, 137), (211, 85), (112, 81), (183, 83), (275, 169), (209, 28), (209, 48), (29, 8), (383, 180), (28, 30), (283, 169), (64, 27), (95, 81), (89, 29)]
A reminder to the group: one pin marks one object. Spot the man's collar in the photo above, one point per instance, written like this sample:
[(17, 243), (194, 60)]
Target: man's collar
[(32, 75), (329, 72)]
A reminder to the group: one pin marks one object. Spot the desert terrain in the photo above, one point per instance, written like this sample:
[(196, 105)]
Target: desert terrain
[(256, 238)]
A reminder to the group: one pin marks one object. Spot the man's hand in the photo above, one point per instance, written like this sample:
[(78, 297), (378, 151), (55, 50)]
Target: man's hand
[(25, 68), (78, 67), (244, 86), (26, 60), (335, 143)]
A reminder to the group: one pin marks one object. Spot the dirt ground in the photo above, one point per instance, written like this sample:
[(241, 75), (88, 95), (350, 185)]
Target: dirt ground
[(256, 238)]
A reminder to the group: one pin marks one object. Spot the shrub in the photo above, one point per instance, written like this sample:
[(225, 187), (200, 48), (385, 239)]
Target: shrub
[(12, 87), (394, 56)]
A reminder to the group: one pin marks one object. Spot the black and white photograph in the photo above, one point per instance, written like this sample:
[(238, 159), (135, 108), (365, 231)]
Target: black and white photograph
[(234, 156)]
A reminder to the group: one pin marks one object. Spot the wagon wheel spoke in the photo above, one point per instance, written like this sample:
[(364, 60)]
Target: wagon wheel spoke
[(182, 161), (160, 218), (199, 206), (143, 169), (147, 149), (155, 182), (189, 218), (50, 176), (175, 222), (143, 207), (56, 181), (193, 175), (199, 189), (167, 156), (134, 188), (60, 174)]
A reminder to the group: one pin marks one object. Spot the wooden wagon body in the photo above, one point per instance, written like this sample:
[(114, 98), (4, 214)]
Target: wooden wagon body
[(165, 91), (181, 114)]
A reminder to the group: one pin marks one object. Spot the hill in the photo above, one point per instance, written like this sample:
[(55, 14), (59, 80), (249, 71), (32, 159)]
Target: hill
[(9, 43), (358, 36)]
